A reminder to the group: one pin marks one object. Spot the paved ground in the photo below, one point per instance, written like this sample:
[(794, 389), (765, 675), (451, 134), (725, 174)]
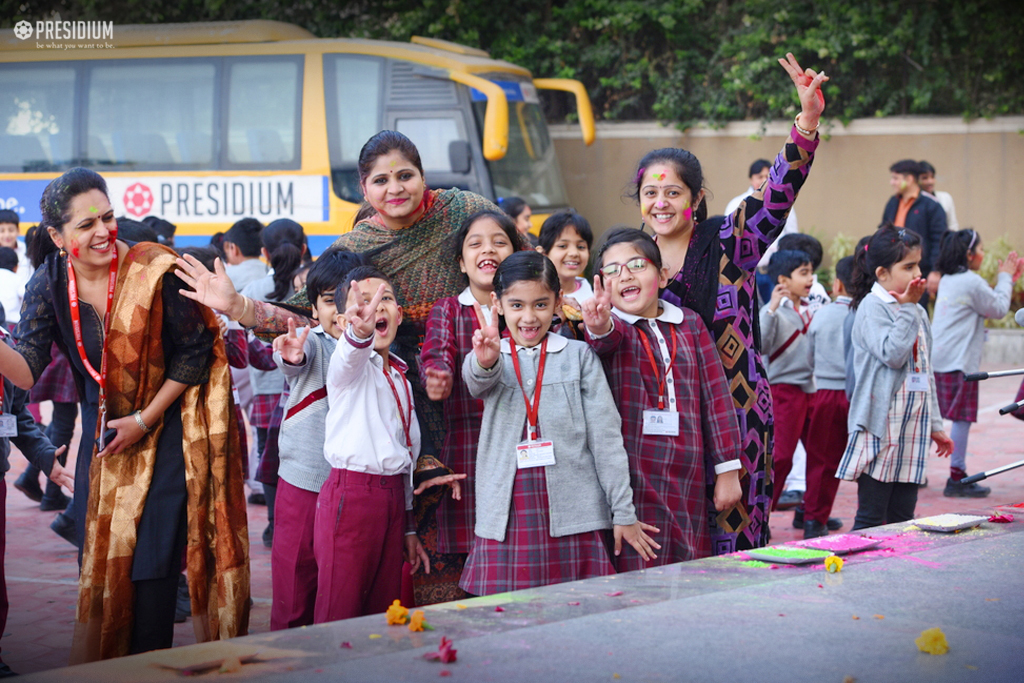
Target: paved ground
[(42, 569)]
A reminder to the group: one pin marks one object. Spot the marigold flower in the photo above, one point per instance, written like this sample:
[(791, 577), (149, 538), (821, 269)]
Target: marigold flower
[(416, 623), (396, 614), (834, 564), (932, 641)]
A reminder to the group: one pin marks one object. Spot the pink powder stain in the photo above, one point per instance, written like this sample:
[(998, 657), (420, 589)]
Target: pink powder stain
[(74, 248), (687, 214), (614, 594)]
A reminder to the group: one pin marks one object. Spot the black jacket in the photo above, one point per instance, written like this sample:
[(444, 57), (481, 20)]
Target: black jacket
[(927, 218), (30, 440)]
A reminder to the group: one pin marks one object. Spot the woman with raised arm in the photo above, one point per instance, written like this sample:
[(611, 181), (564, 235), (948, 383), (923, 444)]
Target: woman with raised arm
[(408, 237), (152, 375), (711, 267)]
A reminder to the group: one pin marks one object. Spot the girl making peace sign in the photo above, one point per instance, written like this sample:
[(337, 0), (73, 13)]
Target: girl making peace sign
[(551, 469)]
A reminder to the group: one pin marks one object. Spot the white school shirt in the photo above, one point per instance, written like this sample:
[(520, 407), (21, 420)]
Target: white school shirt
[(466, 298), (673, 315), (364, 431)]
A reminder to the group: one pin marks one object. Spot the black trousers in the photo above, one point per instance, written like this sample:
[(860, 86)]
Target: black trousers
[(880, 502)]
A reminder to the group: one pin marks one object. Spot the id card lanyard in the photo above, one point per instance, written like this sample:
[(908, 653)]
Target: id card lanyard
[(916, 379), (660, 378), (76, 325), (531, 410), (660, 422), (405, 416)]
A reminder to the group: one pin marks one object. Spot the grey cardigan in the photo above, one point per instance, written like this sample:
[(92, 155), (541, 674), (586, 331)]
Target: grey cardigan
[(588, 486), (883, 344)]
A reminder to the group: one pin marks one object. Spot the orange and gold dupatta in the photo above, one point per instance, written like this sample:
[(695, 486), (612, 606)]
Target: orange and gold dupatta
[(218, 541)]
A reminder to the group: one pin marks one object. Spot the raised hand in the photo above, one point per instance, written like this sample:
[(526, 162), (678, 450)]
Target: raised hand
[(210, 289), (486, 341), (291, 345), (808, 88), (597, 311), (362, 314), (915, 290), (439, 384), (1013, 266), (778, 294)]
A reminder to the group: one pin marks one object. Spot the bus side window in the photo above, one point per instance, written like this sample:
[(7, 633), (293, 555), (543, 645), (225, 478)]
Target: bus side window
[(353, 95), (137, 108), (264, 112), (36, 116)]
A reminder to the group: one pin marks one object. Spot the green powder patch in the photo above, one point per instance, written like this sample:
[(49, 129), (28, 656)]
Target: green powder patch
[(794, 553), (754, 563)]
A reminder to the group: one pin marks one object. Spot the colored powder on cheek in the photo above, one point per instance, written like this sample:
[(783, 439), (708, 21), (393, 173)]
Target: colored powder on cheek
[(687, 214), (74, 248)]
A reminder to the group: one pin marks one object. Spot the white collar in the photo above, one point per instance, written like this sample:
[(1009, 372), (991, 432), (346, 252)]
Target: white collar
[(466, 298), (670, 313), (843, 300), (883, 294), (556, 342)]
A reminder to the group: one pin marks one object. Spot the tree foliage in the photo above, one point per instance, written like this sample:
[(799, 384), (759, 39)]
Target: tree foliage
[(677, 60)]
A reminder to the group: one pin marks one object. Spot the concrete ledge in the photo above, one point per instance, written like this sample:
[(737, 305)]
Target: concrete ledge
[(1004, 347)]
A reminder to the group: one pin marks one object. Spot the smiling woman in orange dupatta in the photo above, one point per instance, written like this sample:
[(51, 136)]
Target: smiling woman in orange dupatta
[(152, 373)]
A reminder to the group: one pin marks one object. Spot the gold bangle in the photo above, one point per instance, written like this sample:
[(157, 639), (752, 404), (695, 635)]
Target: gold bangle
[(142, 425), (803, 131), (245, 307)]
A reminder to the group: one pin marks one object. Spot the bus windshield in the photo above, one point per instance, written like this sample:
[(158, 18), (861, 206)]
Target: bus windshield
[(529, 169)]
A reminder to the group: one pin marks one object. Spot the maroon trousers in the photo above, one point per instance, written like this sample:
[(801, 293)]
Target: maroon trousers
[(792, 408), (292, 560), (825, 448), (358, 541), (4, 604)]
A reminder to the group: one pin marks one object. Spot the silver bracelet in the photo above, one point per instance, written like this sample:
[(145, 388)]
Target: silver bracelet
[(139, 421)]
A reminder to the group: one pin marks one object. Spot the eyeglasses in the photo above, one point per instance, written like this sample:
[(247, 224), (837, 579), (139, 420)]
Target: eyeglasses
[(634, 265)]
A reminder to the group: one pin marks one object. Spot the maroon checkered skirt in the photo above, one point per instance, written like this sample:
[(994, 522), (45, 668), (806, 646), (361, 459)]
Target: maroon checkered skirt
[(529, 555), (958, 400), (261, 413), (56, 384)]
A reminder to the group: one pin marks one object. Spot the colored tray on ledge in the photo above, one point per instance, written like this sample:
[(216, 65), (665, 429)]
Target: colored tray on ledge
[(841, 544), (780, 554), (948, 522)]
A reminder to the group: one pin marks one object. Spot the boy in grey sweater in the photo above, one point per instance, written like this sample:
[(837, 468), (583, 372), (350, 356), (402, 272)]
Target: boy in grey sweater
[(829, 407), (785, 344)]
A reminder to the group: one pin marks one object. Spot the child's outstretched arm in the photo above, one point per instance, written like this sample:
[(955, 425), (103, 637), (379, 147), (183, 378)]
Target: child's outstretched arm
[(440, 352)]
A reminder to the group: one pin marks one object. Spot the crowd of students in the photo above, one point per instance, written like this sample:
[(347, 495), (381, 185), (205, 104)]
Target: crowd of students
[(439, 398)]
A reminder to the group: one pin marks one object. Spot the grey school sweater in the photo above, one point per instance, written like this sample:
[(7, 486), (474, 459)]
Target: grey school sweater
[(301, 442), (963, 303), (792, 364), (827, 345)]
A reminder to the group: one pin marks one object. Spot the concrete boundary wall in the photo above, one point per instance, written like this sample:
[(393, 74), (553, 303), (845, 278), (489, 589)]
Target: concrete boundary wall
[(980, 162)]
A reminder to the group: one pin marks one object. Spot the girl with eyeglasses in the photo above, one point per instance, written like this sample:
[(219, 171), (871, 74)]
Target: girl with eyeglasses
[(711, 266), (678, 423)]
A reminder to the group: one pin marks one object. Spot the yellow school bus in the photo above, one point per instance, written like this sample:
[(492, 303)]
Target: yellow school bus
[(205, 123)]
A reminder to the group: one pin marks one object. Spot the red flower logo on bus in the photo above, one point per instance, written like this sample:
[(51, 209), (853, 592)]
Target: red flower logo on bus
[(138, 200)]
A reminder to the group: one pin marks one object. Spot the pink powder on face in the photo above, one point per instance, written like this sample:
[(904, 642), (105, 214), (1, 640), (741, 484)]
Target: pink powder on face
[(687, 214), (74, 248)]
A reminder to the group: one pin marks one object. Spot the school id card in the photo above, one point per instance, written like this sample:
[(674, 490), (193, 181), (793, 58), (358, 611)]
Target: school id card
[(918, 381), (8, 426), (535, 454), (661, 423)]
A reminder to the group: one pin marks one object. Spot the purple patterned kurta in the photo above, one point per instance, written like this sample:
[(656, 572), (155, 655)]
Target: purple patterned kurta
[(730, 261)]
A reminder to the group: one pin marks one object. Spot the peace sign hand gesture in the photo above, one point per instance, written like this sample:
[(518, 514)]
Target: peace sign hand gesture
[(597, 311), (291, 346), (362, 314), (808, 88), (486, 341)]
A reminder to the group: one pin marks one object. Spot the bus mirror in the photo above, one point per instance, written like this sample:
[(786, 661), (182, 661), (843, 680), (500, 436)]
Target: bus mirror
[(583, 108), (495, 117), (460, 156)]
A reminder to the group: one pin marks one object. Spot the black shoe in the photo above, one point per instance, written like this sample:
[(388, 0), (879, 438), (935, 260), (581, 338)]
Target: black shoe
[(5, 671), (54, 504), (64, 526), (833, 524), (814, 529), (183, 604), (954, 489), (29, 486), (257, 499), (789, 500), (268, 536)]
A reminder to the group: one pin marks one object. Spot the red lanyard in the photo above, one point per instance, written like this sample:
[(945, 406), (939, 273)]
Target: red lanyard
[(76, 325), (654, 365), (406, 419), (531, 410)]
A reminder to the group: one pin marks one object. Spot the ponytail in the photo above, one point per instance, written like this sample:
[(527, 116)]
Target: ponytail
[(956, 250), (284, 241)]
